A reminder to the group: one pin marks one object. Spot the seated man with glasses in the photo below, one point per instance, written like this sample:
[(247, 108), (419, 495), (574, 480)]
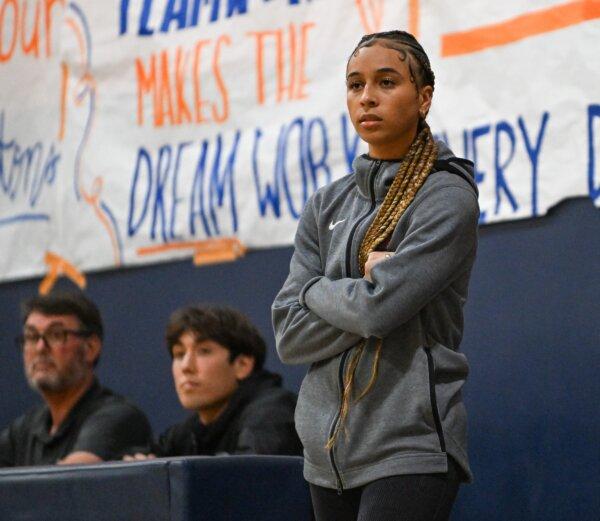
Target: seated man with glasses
[(80, 422)]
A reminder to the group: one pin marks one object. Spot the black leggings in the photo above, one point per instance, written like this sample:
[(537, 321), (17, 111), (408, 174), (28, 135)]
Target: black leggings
[(411, 497)]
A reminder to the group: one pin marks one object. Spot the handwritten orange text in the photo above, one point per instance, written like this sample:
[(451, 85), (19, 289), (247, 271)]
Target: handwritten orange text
[(371, 14), (166, 76), (21, 25), (288, 64)]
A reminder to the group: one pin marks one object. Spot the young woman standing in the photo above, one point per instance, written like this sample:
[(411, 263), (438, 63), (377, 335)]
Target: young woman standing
[(373, 303)]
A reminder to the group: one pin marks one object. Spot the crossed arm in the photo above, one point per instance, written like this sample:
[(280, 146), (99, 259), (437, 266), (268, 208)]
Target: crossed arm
[(316, 317), (301, 335)]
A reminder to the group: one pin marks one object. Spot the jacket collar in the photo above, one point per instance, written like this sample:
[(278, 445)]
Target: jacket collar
[(374, 176)]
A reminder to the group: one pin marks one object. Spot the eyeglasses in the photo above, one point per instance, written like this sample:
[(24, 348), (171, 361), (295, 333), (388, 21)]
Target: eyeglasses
[(54, 337)]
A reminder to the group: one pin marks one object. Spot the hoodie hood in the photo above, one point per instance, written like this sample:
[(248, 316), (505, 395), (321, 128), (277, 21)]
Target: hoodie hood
[(465, 167), (373, 177)]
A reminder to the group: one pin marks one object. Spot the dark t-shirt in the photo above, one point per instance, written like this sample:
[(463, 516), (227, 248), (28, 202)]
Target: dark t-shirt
[(259, 419), (102, 422)]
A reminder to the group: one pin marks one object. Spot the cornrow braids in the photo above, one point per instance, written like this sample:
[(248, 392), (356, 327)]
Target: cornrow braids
[(412, 173), (407, 45)]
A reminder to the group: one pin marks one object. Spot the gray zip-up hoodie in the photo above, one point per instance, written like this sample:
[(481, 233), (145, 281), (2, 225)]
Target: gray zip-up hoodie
[(413, 416)]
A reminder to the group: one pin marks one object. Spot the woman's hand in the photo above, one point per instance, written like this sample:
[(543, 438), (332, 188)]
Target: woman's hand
[(375, 257)]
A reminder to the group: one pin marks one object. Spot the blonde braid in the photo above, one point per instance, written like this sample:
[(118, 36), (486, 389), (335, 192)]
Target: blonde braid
[(413, 172)]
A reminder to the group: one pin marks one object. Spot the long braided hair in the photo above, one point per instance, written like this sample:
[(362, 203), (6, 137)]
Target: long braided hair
[(413, 171)]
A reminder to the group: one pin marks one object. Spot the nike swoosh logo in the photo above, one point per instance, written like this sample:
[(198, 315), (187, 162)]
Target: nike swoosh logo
[(332, 225)]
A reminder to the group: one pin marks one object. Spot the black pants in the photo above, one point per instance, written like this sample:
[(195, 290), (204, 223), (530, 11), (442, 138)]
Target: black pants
[(412, 497)]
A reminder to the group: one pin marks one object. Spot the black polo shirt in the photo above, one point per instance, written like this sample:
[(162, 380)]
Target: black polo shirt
[(102, 422)]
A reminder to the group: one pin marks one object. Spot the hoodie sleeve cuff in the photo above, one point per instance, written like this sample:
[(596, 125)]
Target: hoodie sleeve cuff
[(307, 286)]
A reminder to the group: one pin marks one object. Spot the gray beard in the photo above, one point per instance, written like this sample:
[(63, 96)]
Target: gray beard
[(60, 382)]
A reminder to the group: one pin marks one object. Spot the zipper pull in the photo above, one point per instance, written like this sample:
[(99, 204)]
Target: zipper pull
[(375, 171)]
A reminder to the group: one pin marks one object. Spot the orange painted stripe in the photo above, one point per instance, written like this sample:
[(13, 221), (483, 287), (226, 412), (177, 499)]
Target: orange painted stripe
[(520, 27), (413, 17), (162, 248), (63, 100), (363, 16), (222, 244), (205, 258), (371, 14), (376, 7), (94, 201), (58, 266), (93, 198)]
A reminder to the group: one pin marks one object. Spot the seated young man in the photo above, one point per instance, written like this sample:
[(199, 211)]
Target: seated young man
[(238, 407), (79, 421)]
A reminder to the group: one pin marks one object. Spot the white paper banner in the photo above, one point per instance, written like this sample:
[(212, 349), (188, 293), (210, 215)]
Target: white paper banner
[(130, 130)]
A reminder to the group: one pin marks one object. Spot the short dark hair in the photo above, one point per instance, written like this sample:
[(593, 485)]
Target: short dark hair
[(67, 303), (223, 325)]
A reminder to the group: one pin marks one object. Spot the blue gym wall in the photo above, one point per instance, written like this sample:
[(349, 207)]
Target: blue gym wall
[(532, 337)]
